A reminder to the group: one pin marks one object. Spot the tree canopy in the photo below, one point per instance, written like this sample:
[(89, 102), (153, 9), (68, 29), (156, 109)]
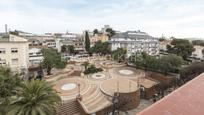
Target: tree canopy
[(170, 63), (95, 31), (8, 84), (164, 64), (198, 42), (101, 48), (191, 71), (52, 59), (111, 32), (90, 69), (181, 47), (119, 54), (70, 49), (63, 48)]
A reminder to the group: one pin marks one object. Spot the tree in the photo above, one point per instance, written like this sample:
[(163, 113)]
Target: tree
[(165, 64), (191, 71), (110, 31), (95, 31), (87, 42), (170, 63), (52, 59), (119, 54), (198, 42), (144, 60), (181, 47), (35, 98), (85, 64), (8, 84), (101, 48), (71, 49), (63, 48), (92, 69)]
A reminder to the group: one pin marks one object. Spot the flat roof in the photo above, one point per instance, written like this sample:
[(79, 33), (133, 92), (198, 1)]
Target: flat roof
[(186, 100), (148, 83)]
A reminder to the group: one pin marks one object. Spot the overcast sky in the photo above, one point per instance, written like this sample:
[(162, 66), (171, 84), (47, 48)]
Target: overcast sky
[(179, 18)]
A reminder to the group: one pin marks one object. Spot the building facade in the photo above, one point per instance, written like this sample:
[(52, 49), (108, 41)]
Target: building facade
[(14, 53), (35, 56), (135, 42)]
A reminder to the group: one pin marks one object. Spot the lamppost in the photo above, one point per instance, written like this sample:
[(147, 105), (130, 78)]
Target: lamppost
[(79, 97)]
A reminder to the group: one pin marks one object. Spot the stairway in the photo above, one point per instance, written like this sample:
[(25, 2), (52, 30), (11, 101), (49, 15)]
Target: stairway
[(94, 101)]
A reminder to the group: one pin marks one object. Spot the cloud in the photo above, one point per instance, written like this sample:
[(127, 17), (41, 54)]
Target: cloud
[(179, 18)]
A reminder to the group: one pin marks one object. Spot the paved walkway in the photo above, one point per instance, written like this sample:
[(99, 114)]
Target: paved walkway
[(94, 100)]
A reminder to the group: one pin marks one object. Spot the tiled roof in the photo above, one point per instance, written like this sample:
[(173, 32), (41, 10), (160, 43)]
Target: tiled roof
[(186, 100)]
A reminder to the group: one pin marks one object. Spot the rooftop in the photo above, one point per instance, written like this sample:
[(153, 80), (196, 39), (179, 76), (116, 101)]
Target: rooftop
[(186, 100), (132, 34)]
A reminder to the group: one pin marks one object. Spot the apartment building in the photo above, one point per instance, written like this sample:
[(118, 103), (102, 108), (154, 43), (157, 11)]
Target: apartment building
[(14, 53), (72, 39), (135, 42)]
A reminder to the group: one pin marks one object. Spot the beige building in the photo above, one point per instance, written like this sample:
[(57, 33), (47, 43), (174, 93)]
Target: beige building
[(98, 37), (14, 53)]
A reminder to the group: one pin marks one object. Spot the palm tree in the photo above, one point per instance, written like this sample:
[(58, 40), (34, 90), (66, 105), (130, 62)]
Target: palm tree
[(35, 98), (8, 84)]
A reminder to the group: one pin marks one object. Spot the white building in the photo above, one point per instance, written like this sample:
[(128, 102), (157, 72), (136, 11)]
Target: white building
[(135, 42), (65, 39), (14, 53), (197, 54), (35, 56)]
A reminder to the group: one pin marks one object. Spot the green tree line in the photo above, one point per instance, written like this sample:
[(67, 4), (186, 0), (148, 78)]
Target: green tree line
[(164, 64)]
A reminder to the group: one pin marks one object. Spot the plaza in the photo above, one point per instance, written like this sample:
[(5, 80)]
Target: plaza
[(93, 93)]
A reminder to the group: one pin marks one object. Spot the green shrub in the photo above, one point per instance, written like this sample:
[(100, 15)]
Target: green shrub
[(92, 69)]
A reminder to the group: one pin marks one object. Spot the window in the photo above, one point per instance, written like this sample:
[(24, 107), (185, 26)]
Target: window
[(30, 53), (14, 50), (14, 61), (2, 62), (2, 51)]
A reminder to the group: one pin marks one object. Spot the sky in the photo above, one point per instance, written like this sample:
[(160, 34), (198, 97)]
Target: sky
[(178, 18)]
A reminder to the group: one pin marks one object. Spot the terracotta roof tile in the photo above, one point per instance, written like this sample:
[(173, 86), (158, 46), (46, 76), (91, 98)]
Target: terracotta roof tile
[(186, 100)]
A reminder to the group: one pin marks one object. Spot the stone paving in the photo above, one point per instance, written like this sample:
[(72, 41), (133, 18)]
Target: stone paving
[(90, 83)]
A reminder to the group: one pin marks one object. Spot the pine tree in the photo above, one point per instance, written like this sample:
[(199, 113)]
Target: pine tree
[(87, 42)]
